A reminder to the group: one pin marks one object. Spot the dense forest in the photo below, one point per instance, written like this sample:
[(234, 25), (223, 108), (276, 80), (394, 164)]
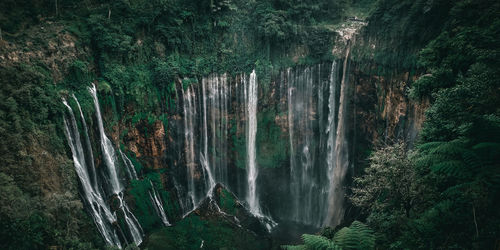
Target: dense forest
[(376, 121)]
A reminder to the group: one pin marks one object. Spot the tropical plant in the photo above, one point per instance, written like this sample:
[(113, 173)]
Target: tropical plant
[(356, 236)]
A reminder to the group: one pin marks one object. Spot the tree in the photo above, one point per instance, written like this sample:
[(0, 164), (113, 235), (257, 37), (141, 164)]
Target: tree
[(389, 192), (388, 183)]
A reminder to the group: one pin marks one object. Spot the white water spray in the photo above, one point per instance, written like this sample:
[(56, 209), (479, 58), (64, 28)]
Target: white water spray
[(158, 205), (100, 211), (107, 147), (111, 161), (252, 172), (339, 158)]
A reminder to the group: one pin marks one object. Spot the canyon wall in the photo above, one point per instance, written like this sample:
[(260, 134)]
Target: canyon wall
[(311, 126)]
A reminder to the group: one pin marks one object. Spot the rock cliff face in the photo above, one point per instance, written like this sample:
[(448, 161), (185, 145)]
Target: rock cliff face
[(47, 45), (385, 111), (149, 147), (48, 52)]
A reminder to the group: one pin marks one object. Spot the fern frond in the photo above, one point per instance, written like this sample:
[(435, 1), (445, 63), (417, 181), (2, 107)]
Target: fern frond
[(492, 146), (429, 145), (318, 242), (452, 168), (471, 159), (453, 191), (291, 247), (430, 159), (489, 151), (455, 147), (357, 236)]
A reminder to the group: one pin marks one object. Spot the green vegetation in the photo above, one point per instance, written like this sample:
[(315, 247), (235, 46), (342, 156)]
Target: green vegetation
[(193, 231), (227, 202), (38, 208), (397, 30), (272, 144), (443, 194), (144, 208), (357, 236)]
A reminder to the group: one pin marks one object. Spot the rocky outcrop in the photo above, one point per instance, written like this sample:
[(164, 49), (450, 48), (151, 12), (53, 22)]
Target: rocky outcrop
[(222, 204), (383, 110), (49, 45), (219, 222), (148, 142)]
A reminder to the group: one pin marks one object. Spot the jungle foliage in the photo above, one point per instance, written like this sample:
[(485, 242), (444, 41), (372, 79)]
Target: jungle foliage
[(445, 193), (357, 236)]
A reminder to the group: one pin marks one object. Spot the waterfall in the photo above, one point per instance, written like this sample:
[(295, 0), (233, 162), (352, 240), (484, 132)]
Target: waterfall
[(293, 165), (90, 158), (129, 167), (310, 131), (158, 205), (189, 98), (154, 196), (215, 87), (210, 148), (99, 210), (338, 153), (111, 163), (252, 173), (314, 98), (107, 148), (133, 225), (331, 129), (301, 120)]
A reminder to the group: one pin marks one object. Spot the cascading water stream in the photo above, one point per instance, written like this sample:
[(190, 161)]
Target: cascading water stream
[(107, 147), (100, 211), (206, 166), (338, 171), (218, 98), (111, 161), (331, 131), (189, 119), (312, 132), (153, 195), (251, 100), (132, 222), (90, 158), (206, 136), (158, 205), (252, 172), (301, 111), (129, 167)]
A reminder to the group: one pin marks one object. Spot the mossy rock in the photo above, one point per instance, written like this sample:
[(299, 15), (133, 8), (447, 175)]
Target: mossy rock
[(219, 222)]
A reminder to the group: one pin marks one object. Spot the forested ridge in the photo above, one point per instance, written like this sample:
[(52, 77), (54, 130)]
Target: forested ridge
[(439, 192)]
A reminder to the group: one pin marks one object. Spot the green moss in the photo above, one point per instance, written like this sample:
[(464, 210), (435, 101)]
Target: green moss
[(238, 145), (137, 164), (272, 144), (227, 202), (144, 207), (144, 210)]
